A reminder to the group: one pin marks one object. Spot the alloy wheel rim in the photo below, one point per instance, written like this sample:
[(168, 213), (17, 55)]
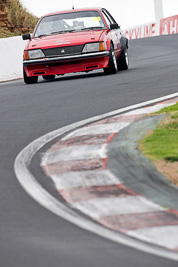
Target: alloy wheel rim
[(114, 60), (126, 58)]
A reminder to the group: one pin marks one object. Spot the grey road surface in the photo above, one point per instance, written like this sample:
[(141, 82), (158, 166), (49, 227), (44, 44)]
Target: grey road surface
[(29, 234)]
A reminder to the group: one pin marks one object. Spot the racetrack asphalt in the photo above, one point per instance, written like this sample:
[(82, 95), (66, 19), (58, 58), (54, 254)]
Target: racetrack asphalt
[(30, 235)]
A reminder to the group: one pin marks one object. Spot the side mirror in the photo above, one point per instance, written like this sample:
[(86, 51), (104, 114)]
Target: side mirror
[(26, 37), (114, 26)]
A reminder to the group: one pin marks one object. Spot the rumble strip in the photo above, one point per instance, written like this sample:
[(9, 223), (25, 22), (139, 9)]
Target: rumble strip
[(77, 164)]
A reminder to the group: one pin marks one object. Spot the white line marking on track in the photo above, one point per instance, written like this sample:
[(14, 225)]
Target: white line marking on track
[(161, 235), (151, 109), (37, 192)]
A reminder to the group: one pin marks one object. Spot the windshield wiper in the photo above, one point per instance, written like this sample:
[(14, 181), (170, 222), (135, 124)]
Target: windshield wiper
[(41, 35), (92, 28)]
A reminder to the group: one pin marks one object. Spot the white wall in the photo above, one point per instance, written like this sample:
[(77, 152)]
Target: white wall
[(143, 31), (11, 58), (160, 27)]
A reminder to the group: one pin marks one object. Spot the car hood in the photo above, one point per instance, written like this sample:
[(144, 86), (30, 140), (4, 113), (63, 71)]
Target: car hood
[(66, 39)]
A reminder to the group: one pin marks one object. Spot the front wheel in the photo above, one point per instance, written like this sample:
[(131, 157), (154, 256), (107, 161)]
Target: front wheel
[(112, 68), (123, 61), (29, 80)]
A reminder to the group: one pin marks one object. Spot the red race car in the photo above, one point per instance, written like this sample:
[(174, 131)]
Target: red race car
[(71, 41)]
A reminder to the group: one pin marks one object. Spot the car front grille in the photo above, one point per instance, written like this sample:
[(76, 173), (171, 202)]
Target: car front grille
[(63, 51)]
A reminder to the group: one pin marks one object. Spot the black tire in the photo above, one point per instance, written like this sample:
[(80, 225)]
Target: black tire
[(48, 77), (112, 68), (29, 80), (123, 60)]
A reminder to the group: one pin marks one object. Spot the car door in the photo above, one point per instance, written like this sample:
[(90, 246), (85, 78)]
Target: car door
[(115, 33)]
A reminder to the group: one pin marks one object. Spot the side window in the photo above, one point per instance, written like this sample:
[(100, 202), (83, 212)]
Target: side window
[(108, 21)]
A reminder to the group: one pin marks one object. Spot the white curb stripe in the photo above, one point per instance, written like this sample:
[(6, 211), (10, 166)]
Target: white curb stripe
[(163, 235), (102, 207), (73, 153), (84, 178), (98, 129)]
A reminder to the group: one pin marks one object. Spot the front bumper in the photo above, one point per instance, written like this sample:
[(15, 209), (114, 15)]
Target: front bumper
[(65, 58), (66, 64)]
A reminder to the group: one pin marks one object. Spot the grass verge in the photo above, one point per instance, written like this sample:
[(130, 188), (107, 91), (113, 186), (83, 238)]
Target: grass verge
[(6, 34), (20, 21), (161, 145)]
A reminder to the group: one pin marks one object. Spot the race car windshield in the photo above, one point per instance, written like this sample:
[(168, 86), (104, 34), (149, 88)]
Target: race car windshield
[(69, 22)]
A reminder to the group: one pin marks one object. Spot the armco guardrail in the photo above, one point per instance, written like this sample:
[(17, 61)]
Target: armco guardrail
[(11, 49), (160, 27)]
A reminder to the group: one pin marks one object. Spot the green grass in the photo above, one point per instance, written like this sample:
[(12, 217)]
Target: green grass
[(163, 142), (168, 109)]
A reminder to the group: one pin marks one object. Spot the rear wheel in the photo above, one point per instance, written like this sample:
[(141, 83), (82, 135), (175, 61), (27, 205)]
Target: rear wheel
[(123, 61), (29, 80), (112, 68), (48, 77)]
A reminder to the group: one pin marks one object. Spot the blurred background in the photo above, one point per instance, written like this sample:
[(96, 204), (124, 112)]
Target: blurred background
[(128, 13)]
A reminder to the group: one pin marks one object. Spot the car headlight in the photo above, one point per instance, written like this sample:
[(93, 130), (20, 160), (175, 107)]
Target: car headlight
[(93, 47), (36, 53)]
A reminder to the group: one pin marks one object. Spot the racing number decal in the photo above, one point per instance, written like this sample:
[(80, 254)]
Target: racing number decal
[(97, 19)]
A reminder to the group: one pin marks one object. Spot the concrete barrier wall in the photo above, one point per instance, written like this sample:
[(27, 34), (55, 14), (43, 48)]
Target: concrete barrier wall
[(160, 27), (143, 31), (11, 57), (11, 49)]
